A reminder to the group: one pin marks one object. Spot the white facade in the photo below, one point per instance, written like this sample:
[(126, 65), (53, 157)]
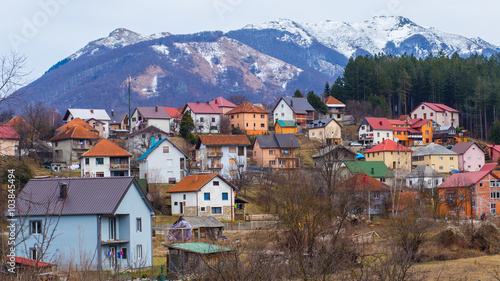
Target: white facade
[(424, 182), (444, 118), (138, 144), (282, 112), (163, 163), (138, 122), (377, 136), (221, 196), (205, 122), (232, 160), (101, 166)]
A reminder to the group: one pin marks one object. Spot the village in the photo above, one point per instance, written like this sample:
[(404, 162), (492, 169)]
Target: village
[(191, 188)]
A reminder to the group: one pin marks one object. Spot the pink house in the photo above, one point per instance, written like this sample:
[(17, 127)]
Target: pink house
[(494, 152), (442, 114), (470, 156)]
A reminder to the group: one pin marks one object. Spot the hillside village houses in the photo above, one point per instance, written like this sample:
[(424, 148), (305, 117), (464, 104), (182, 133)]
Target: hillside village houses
[(422, 177), (224, 105), (296, 109), (157, 116), (70, 145), (138, 142), (437, 157), (375, 169), (327, 131), (470, 156), (206, 116), (276, 151), (98, 117), (105, 159), (393, 154), (442, 114), (250, 119), (119, 121), (9, 140), (336, 109)]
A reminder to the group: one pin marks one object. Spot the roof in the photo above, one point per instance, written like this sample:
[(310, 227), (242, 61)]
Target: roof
[(378, 123), (333, 102), (148, 129), (298, 105), (417, 123), (379, 168), (173, 112), (286, 123), (156, 112), (194, 183), (106, 148), (8, 132), (488, 167), (424, 171), (155, 145), (388, 145), (203, 221), (404, 117), (247, 107), (464, 179), (18, 122), (117, 117), (327, 149), (437, 107), (495, 147), (85, 196), (461, 148), (30, 262), (222, 140), (222, 102), (278, 141), (202, 108), (75, 132), (434, 149), (321, 123), (362, 182), (76, 121), (199, 248), (84, 114)]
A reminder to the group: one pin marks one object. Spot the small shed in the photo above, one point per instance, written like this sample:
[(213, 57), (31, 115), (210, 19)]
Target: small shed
[(205, 227), (285, 127), (183, 257)]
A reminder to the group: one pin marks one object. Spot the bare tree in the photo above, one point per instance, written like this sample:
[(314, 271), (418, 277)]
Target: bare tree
[(238, 99), (12, 77)]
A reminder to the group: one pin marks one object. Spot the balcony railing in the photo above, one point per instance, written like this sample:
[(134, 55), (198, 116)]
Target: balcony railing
[(214, 154), (366, 136), (214, 166), (119, 166), (81, 146)]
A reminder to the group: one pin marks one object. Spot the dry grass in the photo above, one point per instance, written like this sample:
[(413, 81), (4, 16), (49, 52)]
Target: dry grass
[(308, 148), (477, 268)]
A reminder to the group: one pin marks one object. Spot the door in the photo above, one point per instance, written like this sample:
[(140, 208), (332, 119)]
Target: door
[(181, 207)]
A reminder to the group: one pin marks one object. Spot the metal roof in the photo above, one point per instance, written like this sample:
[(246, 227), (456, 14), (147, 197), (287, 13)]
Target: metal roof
[(321, 123), (424, 171), (148, 129), (157, 112), (85, 114), (434, 149), (298, 105), (203, 222), (278, 141), (461, 148), (287, 123), (155, 145), (328, 149), (199, 248), (85, 196), (117, 117), (376, 169)]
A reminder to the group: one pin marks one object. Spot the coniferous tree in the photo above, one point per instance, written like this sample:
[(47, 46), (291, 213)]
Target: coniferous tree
[(187, 124), (316, 102), (298, 94), (326, 91)]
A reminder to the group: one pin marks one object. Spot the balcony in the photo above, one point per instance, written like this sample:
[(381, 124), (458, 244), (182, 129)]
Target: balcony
[(366, 136), (81, 146), (117, 167), (215, 154), (214, 166), (415, 136)]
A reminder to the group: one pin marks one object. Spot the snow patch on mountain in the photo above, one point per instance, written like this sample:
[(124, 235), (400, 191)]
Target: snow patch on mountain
[(161, 49)]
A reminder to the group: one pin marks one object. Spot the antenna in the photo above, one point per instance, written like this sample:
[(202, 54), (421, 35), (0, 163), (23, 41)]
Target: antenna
[(129, 80)]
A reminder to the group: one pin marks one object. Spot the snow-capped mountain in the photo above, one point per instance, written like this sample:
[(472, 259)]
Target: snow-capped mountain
[(263, 61)]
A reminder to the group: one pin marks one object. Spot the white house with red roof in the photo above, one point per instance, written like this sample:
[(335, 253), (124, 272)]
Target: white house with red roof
[(105, 159), (374, 130), (442, 114), (336, 109), (224, 105), (206, 116)]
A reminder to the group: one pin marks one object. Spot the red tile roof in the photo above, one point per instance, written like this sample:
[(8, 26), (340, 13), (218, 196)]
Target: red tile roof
[(29, 262), (106, 148), (404, 117), (222, 102), (247, 107), (173, 112), (202, 108), (191, 183), (75, 132), (378, 123), (333, 101), (220, 140), (464, 179), (76, 121), (417, 123), (488, 167), (438, 107), (388, 145), (495, 147), (7, 132), (363, 182)]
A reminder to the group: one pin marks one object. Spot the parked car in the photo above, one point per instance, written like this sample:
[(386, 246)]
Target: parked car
[(355, 143)]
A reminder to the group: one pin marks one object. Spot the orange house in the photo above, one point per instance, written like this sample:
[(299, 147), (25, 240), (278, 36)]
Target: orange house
[(249, 118), (424, 126)]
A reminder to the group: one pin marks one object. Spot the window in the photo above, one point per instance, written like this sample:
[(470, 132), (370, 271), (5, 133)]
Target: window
[(55, 144), (313, 134), (262, 116), (213, 119), (139, 251), (432, 113), (176, 203), (206, 196), (282, 114), (375, 195), (442, 197), (183, 196), (87, 161), (166, 149), (441, 168), (479, 157), (468, 157), (378, 135), (451, 157), (112, 229), (262, 125), (202, 119), (99, 161), (377, 207), (33, 254), (480, 184), (232, 116), (225, 196), (138, 222), (99, 174), (271, 152), (463, 209), (461, 196), (473, 204), (203, 209), (232, 149), (241, 151), (382, 179), (36, 227), (254, 116), (216, 183), (440, 158), (272, 163), (216, 210), (124, 253)]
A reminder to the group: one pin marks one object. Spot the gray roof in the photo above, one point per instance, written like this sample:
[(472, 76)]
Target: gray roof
[(85, 196), (321, 123), (117, 117), (461, 148), (203, 221), (148, 129), (298, 105), (278, 141), (424, 171), (157, 112), (434, 149), (327, 149)]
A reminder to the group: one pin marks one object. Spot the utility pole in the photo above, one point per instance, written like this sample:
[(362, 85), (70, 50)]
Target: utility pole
[(129, 117)]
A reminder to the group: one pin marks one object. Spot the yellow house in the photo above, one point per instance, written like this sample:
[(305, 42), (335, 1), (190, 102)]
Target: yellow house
[(327, 131), (251, 119), (285, 127), (438, 157), (393, 154)]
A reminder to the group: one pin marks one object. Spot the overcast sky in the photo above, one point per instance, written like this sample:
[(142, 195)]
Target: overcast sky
[(47, 31)]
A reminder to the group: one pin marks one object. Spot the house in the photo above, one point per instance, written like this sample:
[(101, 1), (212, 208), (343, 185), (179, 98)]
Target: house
[(25, 131), (163, 162), (327, 131), (470, 195), (401, 131), (139, 142), (224, 105), (203, 195), (186, 257), (285, 127), (99, 127), (90, 223), (118, 121), (105, 159), (425, 129), (206, 116), (332, 155), (9, 140), (423, 177), (437, 157), (370, 195), (157, 116), (374, 130), (250, 119), (176, 117), (470, 156), (494, 151), (88, 114), (336, 109), (296, 109), (276, 151), (442, 114), (76, 121), (444, 135), (222, 154), (375, 169), (71, 144), (393, 154)]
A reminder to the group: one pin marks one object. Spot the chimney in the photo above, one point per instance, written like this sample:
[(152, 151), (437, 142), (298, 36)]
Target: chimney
[(63, 190), (373, 171), (197, 102), (152, 138), (215, 101), (112, 112), (92, 111), (380, 122), (291, 103), (156, 108)]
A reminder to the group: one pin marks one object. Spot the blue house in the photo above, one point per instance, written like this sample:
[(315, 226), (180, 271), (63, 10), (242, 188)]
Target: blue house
[(89, 223)]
